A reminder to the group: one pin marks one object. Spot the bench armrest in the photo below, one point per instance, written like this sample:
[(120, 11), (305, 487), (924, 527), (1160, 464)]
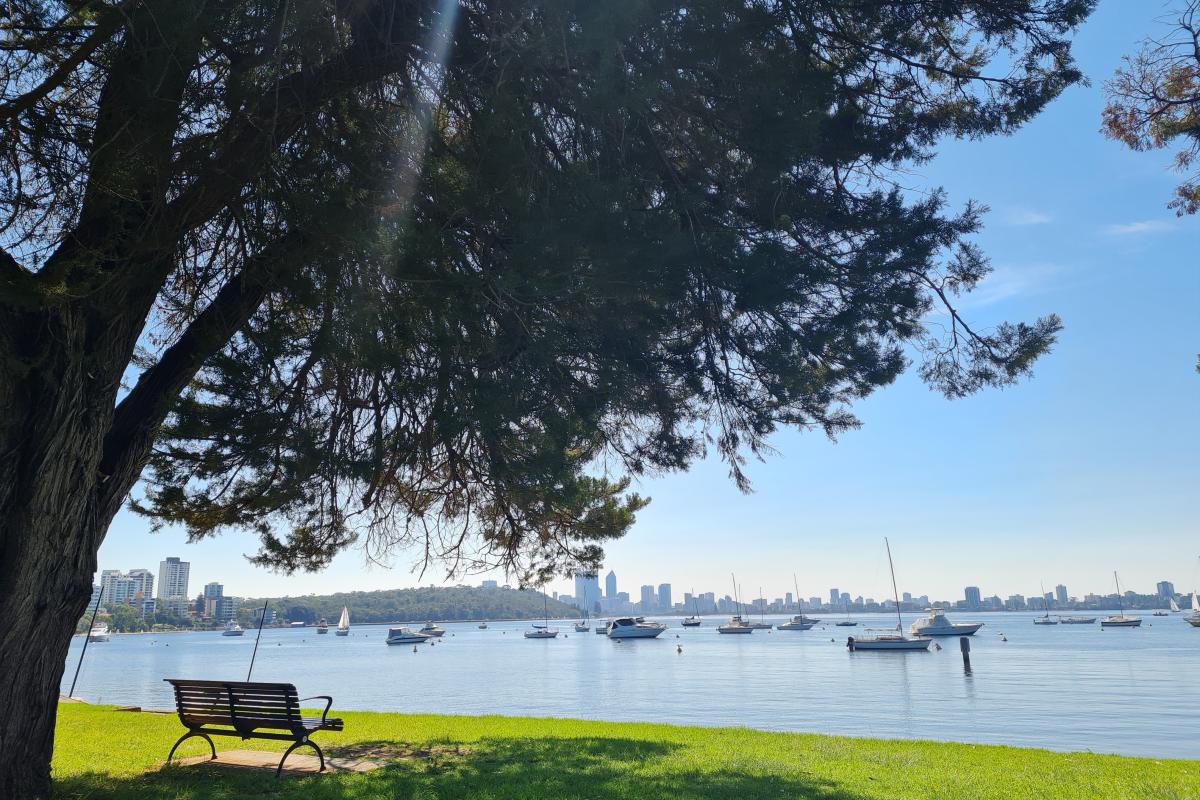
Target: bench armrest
[(328, 703)]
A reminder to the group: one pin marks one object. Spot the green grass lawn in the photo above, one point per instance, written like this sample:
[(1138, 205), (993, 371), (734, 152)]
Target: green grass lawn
[(104, 753)]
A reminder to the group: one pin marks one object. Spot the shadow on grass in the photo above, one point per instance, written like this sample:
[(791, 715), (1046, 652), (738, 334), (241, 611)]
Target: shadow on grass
[(543, 768)]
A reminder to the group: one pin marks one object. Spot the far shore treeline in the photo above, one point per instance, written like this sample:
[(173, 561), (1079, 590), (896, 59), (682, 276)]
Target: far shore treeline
[(422, 603)]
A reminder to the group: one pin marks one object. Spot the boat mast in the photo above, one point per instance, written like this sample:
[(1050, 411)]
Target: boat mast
[(1120, 605), (736, 604), (796, 586), (695, 605), (1046, 599), (762, 610), (895, 591)]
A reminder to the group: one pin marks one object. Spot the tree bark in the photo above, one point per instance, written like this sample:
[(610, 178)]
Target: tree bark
[(54, 405)]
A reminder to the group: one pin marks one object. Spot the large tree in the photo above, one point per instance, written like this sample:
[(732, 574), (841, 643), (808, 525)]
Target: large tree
[(444, 275)]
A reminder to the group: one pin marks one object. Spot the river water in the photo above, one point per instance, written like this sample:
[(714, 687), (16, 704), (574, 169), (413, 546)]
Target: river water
[(1062, 687)]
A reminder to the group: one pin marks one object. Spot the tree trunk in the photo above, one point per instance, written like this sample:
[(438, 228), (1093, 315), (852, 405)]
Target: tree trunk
[(56, 404)]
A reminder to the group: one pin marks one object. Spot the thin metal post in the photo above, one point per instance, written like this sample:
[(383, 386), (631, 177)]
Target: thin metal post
[(262, 618), (87, 638)]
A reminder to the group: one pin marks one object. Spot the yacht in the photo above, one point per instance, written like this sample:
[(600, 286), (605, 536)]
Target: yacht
[(232, 628), (936, 623), (343, 626), (431, 629), (796, 623), (98, 633), (694, 620), (1077, 620), (542, 631), (735, 625), (634, 628), (1120, 620), (322, 626), (889, 639), (762, 624), (406, 636), (1045, 619), (483, 625)]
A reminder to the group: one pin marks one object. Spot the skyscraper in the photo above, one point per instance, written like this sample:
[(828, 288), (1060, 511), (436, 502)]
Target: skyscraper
[(587, 590), (834, 596), (648, 598), (173, 583), (664, 596), (1165, 589), (973, 597), (610, 585), (1060, 593)]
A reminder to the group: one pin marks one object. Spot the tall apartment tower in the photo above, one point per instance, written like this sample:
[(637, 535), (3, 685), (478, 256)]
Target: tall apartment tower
[(610, 585), (173, 583), (664, 596)]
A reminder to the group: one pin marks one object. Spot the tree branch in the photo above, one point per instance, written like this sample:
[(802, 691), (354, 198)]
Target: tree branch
[(138, 415)]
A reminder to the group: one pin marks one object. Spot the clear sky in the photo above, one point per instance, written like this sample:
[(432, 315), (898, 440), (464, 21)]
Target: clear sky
[(1090, 466)]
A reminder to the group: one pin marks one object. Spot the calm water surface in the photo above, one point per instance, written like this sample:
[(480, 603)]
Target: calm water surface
[(1063, 687)]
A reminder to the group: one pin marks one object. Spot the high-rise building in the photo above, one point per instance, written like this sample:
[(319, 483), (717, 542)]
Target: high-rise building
[(173, 584), (648, 598), (213, 593), (973, 598), (906, 597), (610, 585), (223, 609), (787, 599), (125, 588), (587, 590), (834, 596), (488, 585), (664, 596), (1165, 589), (1060, 593)]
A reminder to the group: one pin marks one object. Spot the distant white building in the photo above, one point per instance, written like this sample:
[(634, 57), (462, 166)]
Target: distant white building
[(125, 588), (173, 584)]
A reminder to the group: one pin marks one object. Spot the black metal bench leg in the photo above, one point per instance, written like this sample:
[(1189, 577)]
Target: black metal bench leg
[(288, 752), (189, 735)]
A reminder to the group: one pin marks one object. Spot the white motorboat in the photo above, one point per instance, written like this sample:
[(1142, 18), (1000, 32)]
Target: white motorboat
[(797, 623), (483, 625), (634, 628), (431, 629), (1193, 620), (232, 628), (735, 625), (890, 639), (98, 633), (1077, 620), (936, 623), (343, 626), (322, 626), (1120, 620), (406, 636)]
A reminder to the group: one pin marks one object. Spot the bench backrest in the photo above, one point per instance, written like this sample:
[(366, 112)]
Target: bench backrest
[(244, 706)]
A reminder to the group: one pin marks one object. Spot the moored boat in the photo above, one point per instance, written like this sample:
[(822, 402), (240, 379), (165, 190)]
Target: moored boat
[(735, 625), (430, 629), (98, 633), (1077, 620), (936, 623), (232, 628), (322, 626), (634, 628), (889, 639), (542, 631), (343, 626), (405, 636), (797, 623), (1120, 620), (483, 625)]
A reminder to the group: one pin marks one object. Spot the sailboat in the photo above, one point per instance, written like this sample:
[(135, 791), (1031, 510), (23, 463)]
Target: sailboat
[(542, 631), (847, 622), (1174, 606), (886, 640), (1120, 620), (736, 624), (762, 624), (343, 626), (582, 626), (1045, 618), (798, 622), (1193, 618), (694, 620)]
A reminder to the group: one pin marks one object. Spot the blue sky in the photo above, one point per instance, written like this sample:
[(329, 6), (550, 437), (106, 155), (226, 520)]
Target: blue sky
[(1085, 468)]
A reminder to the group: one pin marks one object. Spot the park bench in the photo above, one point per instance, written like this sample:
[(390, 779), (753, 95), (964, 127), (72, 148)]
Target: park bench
[(248, 711)]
